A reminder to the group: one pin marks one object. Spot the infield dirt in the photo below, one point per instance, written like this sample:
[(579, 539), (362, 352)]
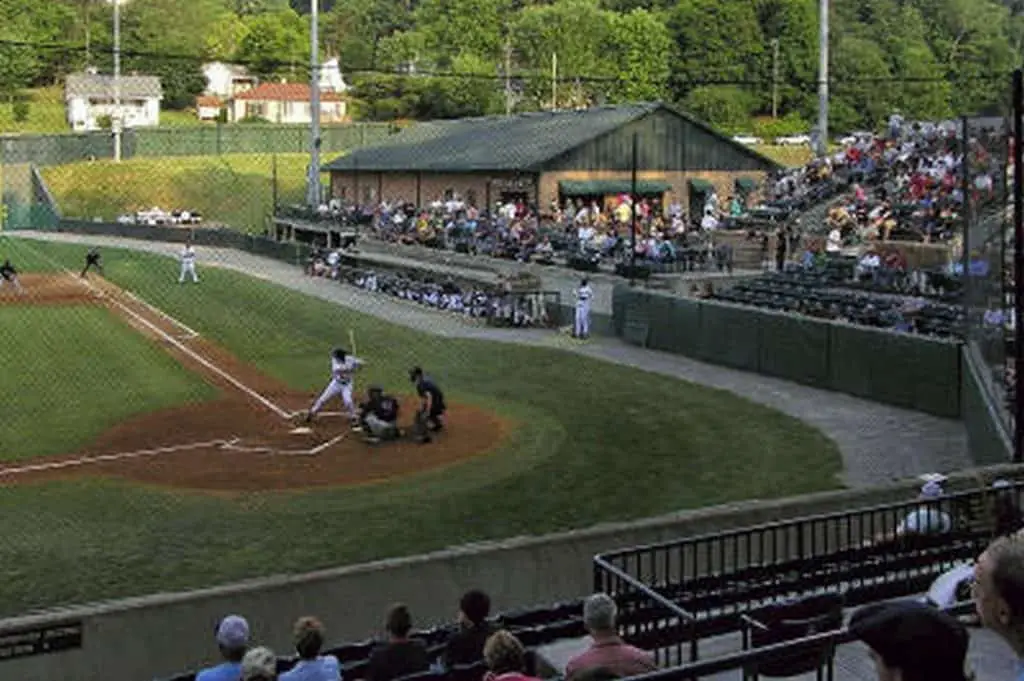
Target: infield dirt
[(241, 441)]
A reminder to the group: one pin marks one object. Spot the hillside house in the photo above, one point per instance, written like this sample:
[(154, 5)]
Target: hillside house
[(89, 97), (286, 103), (224, 81)]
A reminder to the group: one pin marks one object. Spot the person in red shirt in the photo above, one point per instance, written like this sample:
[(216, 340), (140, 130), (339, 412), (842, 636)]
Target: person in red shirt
[(505, 657), (608, 650)]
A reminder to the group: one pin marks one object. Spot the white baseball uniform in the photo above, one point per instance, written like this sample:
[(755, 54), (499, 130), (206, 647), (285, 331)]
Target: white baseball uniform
[(342, 376), (188, 265), (581, 328)]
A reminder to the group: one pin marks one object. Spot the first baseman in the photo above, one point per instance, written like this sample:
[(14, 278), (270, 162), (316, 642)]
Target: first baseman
[(343, 368), (92, 259), (10, 275), (188, 265)]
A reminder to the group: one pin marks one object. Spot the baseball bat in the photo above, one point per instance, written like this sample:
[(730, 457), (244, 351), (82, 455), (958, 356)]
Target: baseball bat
[(352, 342)]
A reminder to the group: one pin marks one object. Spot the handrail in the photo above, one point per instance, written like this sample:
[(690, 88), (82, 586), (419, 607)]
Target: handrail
[(1017, 486), (645, 590)]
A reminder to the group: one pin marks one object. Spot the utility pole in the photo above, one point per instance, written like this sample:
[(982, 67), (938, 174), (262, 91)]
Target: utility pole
[(115, 120), (313, 181), (823, 78), (508, 76), (554, 81), (775, 78)]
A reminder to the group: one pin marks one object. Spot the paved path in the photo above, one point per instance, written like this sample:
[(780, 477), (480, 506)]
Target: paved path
[(878, 443)]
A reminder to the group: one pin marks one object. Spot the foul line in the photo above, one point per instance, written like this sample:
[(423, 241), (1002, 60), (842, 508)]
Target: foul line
[(176, 343), (189, 331), (329, 443), (100, 458)]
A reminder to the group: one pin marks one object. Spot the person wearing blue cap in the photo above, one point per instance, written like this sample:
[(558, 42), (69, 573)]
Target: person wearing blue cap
[(233, 640)]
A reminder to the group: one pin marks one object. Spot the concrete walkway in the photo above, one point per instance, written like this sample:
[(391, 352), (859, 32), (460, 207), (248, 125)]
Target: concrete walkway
[(878, 443)]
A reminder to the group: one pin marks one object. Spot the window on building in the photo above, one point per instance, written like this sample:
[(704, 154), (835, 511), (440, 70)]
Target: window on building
[(255, 110), (369, 194)]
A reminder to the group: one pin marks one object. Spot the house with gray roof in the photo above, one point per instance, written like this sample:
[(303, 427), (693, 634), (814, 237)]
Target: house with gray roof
[(550, 156), (90, 96)]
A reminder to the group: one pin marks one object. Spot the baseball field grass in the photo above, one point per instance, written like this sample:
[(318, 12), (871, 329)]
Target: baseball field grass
[(596, 442), (234, 190)]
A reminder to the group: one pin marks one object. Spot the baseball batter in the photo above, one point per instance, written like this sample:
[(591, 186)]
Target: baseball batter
[(9, 275), (584, 294), (343, 368), (188, 265)]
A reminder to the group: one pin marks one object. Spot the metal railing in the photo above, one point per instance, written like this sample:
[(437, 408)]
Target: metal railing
[(660, 619), (865, 555)]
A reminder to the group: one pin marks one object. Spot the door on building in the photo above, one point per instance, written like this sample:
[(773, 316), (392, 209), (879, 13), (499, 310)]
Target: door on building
[(700, 190)]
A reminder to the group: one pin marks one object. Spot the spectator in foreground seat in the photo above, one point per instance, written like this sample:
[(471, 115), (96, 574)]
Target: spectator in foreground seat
[(607, 650), (233, 641), (505, 658), (911, 641), (999, 591), (466, 646), (400, 656), (259, 664), (309, 639)]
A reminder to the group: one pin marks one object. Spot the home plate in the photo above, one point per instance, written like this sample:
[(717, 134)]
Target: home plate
[(302, 430)]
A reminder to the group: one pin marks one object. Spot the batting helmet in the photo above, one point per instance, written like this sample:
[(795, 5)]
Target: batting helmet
[(339, 354), (415, 373)]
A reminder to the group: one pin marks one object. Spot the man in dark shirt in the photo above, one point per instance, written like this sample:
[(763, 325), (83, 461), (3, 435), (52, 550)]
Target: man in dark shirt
[(400, 656), (466, 646), (379, 415), (8, 274), (432, 405), (92, 259)]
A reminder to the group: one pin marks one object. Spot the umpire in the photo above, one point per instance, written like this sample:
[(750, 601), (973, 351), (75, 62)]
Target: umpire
[(92, 260), (432, 406)]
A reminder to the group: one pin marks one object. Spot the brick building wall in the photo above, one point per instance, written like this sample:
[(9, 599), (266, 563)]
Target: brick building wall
[(423, 188)]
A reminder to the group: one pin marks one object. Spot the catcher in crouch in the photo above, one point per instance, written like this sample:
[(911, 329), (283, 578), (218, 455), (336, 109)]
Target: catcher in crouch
[(378, 416)]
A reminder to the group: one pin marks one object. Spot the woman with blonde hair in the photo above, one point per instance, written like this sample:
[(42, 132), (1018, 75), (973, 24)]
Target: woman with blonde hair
[(505, 657)]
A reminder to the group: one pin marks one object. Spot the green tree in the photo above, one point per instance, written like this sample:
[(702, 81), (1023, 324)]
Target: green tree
[(724, 106), (862, 97), (354, 29), (717, 41), (452, 27), (224, 37), (794, 24), (387, 98), (246, 8), (474, 94), (276, 44), (641, 51)]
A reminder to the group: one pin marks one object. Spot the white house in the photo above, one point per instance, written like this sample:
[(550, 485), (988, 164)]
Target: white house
[(331, 79), (208, 107), (227, 80), (89, 97), (286, 103)]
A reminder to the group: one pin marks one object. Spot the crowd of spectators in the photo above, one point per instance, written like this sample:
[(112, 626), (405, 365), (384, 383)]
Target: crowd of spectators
[(500, 304)]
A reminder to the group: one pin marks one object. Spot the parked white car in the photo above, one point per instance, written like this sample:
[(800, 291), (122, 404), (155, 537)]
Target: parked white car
[(749, 140), (793, 140)]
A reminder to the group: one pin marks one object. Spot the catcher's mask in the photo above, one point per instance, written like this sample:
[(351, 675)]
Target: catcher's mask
[(415, 373)]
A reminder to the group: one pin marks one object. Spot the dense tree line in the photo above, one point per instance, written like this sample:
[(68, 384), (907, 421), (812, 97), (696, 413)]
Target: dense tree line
[(726, 60)]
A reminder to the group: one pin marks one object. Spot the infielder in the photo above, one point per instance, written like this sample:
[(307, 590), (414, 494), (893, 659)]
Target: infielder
[(93, 260), (188, 265), (10, 275), (584, 294), (432, 406), (343, 368)]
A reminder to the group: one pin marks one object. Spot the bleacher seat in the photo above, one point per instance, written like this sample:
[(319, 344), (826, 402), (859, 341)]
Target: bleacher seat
[(790, 621)]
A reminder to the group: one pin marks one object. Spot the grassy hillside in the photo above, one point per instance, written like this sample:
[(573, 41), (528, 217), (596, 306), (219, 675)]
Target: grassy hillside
[(235, 190)]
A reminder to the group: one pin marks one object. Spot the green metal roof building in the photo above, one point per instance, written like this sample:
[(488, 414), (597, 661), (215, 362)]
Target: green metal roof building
[(552, 155)]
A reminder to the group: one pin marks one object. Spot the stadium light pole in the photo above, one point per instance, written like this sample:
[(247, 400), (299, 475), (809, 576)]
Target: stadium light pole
[(1018, 261), (115, 120), (313, 181), (823, 78), (633, 208)]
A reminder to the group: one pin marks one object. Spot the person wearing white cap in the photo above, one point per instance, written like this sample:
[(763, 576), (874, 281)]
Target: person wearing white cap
[(927, 518), (233, 640)]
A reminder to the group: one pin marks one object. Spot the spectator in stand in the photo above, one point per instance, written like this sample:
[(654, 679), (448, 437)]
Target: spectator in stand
[(400, 656), (911, 641), (259, 664), (309, 640), (505, 658), (607, 650), (999, 591), (927, 518), (233, 640), (466, 646)]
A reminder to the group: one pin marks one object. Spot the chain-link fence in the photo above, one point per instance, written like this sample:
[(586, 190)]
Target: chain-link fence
[(987, 263)]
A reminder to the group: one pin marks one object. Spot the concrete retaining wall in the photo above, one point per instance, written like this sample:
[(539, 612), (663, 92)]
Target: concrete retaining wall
[(140, 639)]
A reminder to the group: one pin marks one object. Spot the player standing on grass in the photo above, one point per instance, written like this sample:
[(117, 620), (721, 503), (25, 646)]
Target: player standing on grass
[(581, 325), (432, 406), (343, 368), (93, 260), (10, 275), (188, 265)]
